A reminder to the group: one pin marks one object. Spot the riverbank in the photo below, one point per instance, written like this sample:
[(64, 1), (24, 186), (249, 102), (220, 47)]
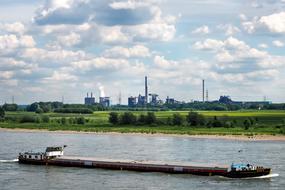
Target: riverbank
[(198, 136)]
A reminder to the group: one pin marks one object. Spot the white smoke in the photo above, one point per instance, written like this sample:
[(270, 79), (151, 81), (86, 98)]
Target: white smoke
[(102, 90)]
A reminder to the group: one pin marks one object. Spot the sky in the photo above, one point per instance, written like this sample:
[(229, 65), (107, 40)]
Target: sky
[(51, 49)]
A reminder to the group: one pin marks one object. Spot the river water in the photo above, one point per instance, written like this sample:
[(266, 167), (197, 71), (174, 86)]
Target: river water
[(136, 147)]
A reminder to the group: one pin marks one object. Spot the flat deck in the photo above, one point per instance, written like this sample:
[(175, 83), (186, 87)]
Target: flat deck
[(145, 166)]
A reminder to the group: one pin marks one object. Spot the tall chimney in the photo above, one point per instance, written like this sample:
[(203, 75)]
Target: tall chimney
[(203, 84), (146, 91), (91, 94), (87, 94)]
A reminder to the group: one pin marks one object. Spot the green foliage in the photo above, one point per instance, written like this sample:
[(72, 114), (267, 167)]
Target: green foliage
[(150, 118), (128, 118), (28, 119), (246, 124), (74, 110), (114, 118), (39, 110), (45, 119), (177, 119), (2, 113), (80, 120), (216, 122), (10, 107), (63, 121), (44, 106), (195, 119)]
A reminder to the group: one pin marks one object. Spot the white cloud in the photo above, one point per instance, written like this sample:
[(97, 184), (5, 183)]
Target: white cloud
[(16, 27), (135, 51), (274, 23), (69, 40), (278, 43), (11, 43), (262, 45), (229, 29), (208, 44), (201, 30)]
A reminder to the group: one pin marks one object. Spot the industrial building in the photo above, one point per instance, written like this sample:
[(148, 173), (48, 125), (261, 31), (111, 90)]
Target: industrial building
[(104, 101), (89, 100), (132, 101)]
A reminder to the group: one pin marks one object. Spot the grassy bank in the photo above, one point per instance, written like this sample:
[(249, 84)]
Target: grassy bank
[(266, 123)]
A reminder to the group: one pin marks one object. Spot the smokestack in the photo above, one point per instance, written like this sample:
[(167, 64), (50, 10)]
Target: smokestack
[(87, 94), (91, 94), (146, 91), (203, 83)]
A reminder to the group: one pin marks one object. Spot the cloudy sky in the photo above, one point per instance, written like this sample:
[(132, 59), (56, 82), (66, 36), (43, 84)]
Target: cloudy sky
[(55, 48)]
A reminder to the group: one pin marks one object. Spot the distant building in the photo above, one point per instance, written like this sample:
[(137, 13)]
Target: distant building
[(132, 101), (170, 100), (105, 101), (141, 100), (89, 100)]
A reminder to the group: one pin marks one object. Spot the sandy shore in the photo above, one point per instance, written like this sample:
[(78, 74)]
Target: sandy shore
[(225, 137)]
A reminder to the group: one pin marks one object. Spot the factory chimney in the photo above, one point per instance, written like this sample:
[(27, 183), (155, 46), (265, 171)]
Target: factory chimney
[(203, 90), (146, 90)]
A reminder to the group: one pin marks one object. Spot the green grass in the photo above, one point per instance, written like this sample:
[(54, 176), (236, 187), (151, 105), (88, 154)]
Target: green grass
[(268, 122)]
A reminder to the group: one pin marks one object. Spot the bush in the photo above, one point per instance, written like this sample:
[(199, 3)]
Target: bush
[(63, 121), (216, 122), (45, 119), (246, 124), (194, 119), (177, 119), (114, 118), (28, 119), (80, 120), (2, 113), (10, 107), (128, 118), (141, 119), (39, 110), (150, 118)]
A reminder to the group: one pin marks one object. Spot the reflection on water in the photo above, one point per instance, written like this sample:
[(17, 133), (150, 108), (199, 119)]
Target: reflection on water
[(135, 147)]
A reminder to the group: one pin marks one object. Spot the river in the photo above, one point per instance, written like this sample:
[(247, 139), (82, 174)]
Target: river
[(14, 176)]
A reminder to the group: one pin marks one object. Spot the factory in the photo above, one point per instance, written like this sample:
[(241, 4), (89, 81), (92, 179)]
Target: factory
[(104, 101), (89, 100)]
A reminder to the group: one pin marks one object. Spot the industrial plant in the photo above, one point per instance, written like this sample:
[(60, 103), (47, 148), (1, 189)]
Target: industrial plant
[(152, 99)]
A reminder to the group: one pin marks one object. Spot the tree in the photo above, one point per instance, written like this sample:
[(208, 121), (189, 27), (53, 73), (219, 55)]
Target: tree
[(39, 110), (2, 112), (128, 118), (194, 119), (177, 119), (10, 107), (246, 124), (114, 118), (80, 120), (150, 118)]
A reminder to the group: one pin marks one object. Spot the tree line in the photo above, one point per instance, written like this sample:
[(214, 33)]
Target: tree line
[(191, 119)]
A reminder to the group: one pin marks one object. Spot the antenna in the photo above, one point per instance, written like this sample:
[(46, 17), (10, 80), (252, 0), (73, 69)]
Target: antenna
[(203, 90), (120, 98)]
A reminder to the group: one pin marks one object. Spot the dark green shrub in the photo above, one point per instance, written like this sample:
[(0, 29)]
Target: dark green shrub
[(45, 119), (128, 118), (177, 119), (27, 119), (114, 118)]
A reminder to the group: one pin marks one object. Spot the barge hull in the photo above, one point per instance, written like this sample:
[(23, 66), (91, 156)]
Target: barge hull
[(131, 166)]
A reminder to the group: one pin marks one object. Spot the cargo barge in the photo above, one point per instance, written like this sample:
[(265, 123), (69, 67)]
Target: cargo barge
[(54, 156)]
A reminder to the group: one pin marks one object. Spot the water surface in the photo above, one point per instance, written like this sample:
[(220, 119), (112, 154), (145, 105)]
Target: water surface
[(136, 147)]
